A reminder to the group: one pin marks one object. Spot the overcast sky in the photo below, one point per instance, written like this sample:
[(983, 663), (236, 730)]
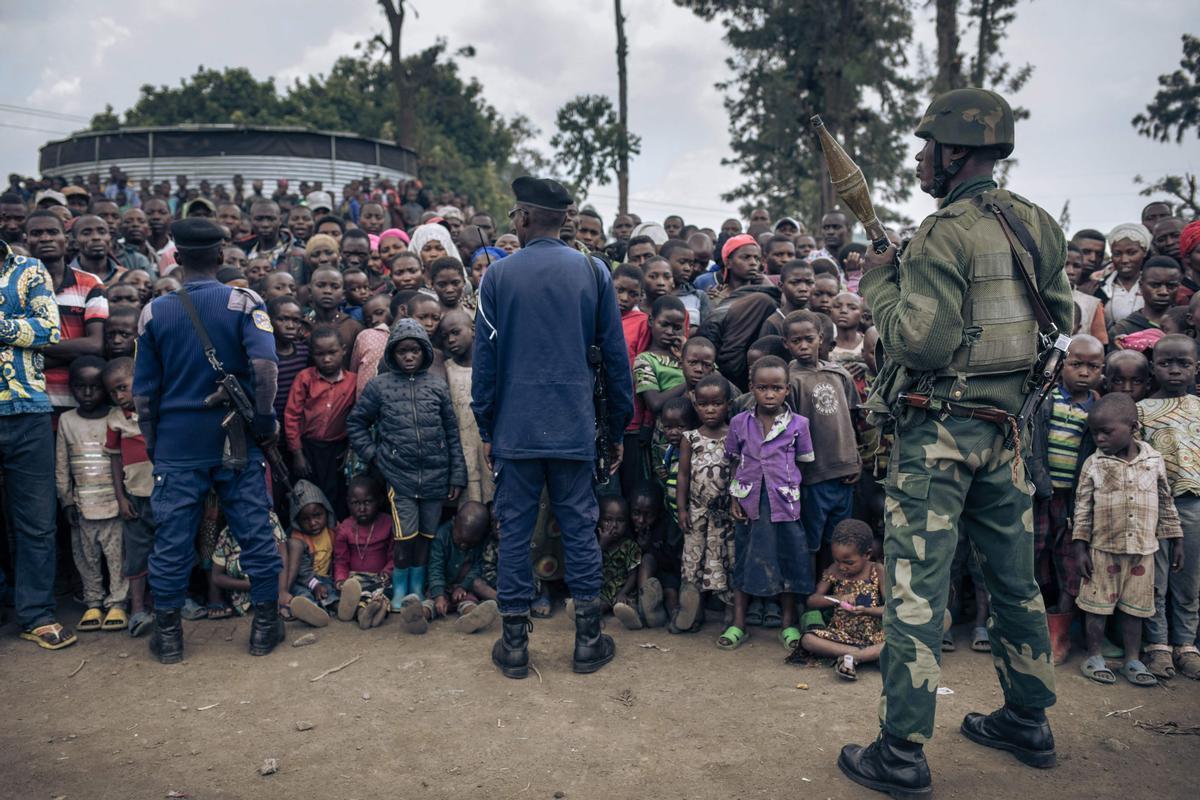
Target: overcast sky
[(1097, 64)]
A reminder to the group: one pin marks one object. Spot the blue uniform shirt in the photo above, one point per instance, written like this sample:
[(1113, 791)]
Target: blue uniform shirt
[(173, 374), (531, 389)]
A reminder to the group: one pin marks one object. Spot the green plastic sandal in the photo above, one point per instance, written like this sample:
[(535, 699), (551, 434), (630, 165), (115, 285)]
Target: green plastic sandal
[(732, 638), (789, 637)]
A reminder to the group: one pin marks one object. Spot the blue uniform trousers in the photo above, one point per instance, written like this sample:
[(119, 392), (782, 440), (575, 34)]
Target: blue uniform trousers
[(178, 504), (519, 485)]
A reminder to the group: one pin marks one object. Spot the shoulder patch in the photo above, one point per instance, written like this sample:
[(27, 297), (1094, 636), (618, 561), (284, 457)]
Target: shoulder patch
[(261, 320), (243, 301)]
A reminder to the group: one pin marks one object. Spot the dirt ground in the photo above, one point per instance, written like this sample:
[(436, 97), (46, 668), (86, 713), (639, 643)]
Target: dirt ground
[(429, 717)]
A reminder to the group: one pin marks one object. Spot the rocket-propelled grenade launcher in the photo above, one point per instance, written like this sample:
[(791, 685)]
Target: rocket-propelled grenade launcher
[(850, 184)]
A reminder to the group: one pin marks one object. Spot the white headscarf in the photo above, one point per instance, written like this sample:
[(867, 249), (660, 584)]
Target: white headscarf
[(656, 232), (431, 230), (1133, 231)]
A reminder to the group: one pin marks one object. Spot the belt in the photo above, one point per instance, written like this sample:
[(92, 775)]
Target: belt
[(945, 408)]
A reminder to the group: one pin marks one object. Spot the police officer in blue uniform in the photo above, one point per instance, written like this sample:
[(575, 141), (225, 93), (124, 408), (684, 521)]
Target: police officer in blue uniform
[(187, 443), (540, 309)]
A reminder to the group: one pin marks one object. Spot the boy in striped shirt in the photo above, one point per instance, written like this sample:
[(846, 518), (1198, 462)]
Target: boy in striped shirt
[(1061, 443)]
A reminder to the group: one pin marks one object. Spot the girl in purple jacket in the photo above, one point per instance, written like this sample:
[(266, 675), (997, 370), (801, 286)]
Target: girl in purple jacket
[(770, 548)]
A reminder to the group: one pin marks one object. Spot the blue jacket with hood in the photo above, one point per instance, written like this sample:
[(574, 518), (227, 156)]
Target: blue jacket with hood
[(531, 390), (415, 444)]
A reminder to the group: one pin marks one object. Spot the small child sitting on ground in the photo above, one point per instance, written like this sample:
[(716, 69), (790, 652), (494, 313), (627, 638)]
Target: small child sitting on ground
[(362, 556), (455, 562), (310, 556), (621, 559), (853, 587)]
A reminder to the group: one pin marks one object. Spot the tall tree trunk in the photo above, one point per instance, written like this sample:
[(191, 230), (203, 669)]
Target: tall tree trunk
[(405, 119), (949, 60), (622, 115), (979, 74)]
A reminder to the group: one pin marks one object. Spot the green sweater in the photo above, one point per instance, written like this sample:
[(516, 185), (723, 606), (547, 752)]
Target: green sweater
[(446, 561), (917, 307)]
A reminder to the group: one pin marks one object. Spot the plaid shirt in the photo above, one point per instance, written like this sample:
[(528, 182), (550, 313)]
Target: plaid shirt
[(1125, 506), (28, 322)]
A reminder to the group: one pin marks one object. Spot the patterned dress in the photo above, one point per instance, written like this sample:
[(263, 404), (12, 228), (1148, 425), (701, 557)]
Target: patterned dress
[(708, 546), (856, 630), (617, 563)]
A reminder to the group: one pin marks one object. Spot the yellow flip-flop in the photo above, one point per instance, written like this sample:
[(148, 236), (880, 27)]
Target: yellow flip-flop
[(115, 620), (50, 636), (90, 621)]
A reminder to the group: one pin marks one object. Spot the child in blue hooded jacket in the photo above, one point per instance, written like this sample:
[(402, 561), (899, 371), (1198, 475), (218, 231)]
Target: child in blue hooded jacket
[(404, 426)]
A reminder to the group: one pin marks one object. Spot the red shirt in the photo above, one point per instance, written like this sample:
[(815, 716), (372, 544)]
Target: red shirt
[(362, 548), (636, 326), (317, 407), (80, 300)]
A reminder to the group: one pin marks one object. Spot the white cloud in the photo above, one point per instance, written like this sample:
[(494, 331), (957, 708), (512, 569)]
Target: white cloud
[(106, 34), (57, 92), (319, 58)]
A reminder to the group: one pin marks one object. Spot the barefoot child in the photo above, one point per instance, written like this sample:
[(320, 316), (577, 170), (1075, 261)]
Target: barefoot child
[(855, 632), (1124, 515), (133, 482), (455, 562), (658, 597), (771, 553), (702, 493), (362, 556)]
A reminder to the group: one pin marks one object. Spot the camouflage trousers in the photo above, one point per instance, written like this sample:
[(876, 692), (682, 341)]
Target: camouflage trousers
[(945, 474)]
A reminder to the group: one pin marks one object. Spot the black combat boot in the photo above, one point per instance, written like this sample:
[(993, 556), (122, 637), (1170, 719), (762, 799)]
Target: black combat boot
[(889, 764), (511, 651), (593, 649), (166, 643), (267, 629), (1024, 732)]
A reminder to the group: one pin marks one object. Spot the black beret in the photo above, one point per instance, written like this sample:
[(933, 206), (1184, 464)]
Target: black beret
[(196, 233), (541, 193)]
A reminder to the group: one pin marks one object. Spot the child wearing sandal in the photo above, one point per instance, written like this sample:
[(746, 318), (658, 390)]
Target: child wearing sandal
[(1124, 512), (771, 554), (362, 556), (854, 588), (702, 493), (621, 558)]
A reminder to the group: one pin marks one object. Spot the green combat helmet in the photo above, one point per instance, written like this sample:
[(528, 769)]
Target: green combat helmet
[(968, 118)]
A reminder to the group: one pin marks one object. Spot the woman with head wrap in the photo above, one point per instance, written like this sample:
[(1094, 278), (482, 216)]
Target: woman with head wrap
[(481, 259), (321, 250), (741, 259), (1129, 244), (1189, 259), (431, 242)]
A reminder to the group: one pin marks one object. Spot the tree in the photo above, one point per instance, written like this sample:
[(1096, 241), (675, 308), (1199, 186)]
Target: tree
[(589, 141), (949, 61), (1176, 107), (843, 59), (405, 120), (992, 18), (209, 96), (622, 114)]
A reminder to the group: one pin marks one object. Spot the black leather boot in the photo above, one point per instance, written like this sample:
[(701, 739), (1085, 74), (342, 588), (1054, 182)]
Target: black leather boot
[(166, 643), (593, 649), (888, 764), (267, 629), (1024, 732), (511, 651)]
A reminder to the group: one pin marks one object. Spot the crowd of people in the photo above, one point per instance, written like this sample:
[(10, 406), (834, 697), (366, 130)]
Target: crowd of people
[(751, 352)]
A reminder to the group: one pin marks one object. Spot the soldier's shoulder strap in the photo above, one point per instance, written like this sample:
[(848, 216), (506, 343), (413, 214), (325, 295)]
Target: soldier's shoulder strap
[(1025, 257)]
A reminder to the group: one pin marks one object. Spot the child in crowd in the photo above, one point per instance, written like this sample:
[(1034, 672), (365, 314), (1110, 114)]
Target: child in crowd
[(141, 281), (657, 373), (847, 352), (1128, 372), (658, 597), (314, 420), (166, 285), (406, 272), (123, 296), (416, 448), (326, 295), (362, 556), (120, 332), (309, 563), (682, 259), (823, 393), (621, 558), (458, 333), (278, 284), (1118, 532), (825, 288), (455, 564), (658, 281), (257, 270), (481, 259), (627, 284), (702, 493), (132, 483), (771, 552), (1061, 443), (370, 344), (446, 279), (287, 319), (358, 289), (508, 242), (230, 582), (1168, 420), (233, 276), (427, 310), (853, 587), (84, 480), (795, 284)]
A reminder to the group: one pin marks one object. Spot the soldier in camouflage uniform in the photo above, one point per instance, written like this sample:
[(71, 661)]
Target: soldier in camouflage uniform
[(960, 338)]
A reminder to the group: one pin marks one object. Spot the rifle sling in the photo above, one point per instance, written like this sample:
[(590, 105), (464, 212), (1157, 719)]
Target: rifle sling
[(1011, 225), (210, 352)]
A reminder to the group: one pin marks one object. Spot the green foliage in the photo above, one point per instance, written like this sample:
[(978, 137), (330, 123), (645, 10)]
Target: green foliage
[(991, 19), (588, 143), (463, 142), (843, 60), (1176, 105)]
